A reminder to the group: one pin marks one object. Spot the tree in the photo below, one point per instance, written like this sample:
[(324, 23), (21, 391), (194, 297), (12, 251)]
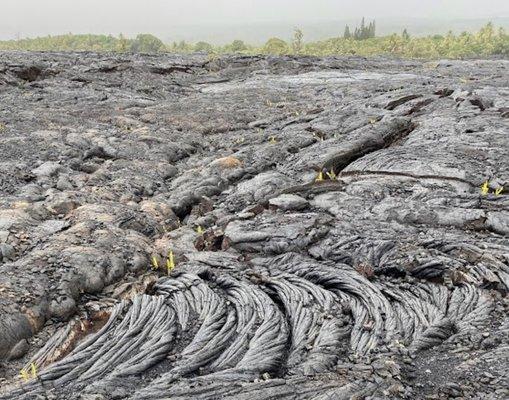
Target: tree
[(297, 42), (203, 46), (362, 29), (146, 43), (372, 31), (276, 46), (123, 44), (405, 35), (347, 34), (365, 32), (487, 31), (238, 46)]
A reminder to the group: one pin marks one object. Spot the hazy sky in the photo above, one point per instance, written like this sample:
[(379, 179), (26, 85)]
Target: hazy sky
[(41, 17)]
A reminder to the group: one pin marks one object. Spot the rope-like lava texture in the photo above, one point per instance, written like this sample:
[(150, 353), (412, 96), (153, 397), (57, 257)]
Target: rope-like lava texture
[(280, 334)]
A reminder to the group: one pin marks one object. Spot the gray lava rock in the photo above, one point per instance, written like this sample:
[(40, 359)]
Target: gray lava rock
[(47, 169), (19, 350), (62, 307), (321, 227), (289, 202), (7, 252)]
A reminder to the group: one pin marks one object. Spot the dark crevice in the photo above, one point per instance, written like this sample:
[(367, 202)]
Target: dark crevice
[(389, 134), (396, 103)]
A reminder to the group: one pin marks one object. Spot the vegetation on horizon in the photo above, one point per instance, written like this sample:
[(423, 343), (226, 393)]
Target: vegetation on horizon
[(489, 41)]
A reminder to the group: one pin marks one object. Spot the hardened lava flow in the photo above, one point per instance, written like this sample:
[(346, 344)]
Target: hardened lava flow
[(182, 227)]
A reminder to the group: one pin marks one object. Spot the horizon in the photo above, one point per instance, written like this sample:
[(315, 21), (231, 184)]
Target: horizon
[(314, 30), (200, 20)]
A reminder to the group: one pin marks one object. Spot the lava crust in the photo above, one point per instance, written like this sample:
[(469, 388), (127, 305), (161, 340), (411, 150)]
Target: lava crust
[(190, 227)]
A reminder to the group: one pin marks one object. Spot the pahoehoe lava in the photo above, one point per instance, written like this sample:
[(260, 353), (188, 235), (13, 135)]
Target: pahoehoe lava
[(325, 216)]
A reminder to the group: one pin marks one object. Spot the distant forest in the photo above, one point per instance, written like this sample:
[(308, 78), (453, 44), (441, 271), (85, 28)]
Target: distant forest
[(360, 40)]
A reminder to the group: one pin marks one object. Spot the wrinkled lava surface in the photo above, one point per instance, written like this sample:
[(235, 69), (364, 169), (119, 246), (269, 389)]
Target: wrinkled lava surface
[(328, 220)]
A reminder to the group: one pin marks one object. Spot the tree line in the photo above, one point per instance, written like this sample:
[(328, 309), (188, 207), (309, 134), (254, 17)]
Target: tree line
[(488, 41), (362, 32)]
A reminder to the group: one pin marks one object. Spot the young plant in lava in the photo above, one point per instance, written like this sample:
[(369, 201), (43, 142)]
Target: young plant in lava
[(170, 262)]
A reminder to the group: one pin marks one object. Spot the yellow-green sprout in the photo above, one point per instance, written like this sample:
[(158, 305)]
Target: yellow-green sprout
[(33, 370), (24, 375), (499, 191), (485, 188), (155, 263), (332, 175), (319, 178), (170, 262)]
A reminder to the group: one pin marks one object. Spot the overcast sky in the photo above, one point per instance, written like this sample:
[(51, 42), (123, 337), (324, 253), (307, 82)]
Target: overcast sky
[(41, 17)]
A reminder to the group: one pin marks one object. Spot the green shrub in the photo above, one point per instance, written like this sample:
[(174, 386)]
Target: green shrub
[(237, 46), (203, 46), (276, 46), (146, 43)]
